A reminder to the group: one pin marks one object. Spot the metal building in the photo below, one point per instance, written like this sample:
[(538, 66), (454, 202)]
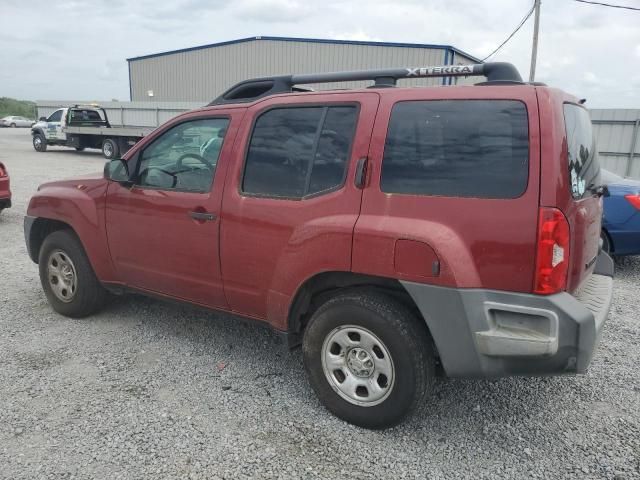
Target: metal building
[(200, 74), (617, 133)]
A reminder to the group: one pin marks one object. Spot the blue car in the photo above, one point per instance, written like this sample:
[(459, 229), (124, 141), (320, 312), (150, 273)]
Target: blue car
[(621, 219)]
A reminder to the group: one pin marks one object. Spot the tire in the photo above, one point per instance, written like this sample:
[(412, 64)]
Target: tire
[(39, 143), (79, 149), (63, 257), (403, 368), (606, 242), (13, 125), (110, 149)]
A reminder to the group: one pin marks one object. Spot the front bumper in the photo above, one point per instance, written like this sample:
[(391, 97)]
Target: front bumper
[(487, 333)]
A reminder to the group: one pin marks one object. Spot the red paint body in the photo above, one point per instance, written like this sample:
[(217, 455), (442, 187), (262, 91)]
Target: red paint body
[(257, 254), (5, 186)]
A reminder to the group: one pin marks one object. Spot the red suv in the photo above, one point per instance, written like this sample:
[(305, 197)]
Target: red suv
[(393, 232), (5, 190)]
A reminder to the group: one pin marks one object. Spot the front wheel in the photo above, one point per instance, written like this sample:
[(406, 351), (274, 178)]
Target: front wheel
[(109, 149), (67, 277), (79, 149), (13, 125), (368, 358), (39, 142)]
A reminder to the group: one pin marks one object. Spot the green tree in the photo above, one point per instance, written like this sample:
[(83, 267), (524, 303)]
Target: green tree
[(11, 106)]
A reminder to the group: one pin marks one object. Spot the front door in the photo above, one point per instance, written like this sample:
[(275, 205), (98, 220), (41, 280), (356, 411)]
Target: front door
[(54, 126), (163, 231)]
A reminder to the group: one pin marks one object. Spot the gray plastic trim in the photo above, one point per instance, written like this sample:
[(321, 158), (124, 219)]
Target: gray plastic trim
[(455, 317)]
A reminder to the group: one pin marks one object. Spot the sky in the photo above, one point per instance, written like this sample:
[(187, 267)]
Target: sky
[(77, 49)]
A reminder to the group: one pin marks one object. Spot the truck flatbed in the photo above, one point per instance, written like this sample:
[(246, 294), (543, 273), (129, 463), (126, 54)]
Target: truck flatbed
[(117, 131)]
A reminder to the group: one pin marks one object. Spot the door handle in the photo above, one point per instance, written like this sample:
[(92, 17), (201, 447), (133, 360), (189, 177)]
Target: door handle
[(204, 216), (361, 173)]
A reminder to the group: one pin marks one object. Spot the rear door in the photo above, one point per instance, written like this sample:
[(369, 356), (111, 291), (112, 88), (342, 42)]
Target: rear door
[(290, 204), (453, 192)]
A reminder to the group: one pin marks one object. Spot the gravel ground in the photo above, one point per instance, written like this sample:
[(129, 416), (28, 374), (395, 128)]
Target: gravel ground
[(149, 389)]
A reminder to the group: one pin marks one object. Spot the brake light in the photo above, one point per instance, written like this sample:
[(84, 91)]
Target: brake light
[(3, 171), (634, 200), (552, 256)]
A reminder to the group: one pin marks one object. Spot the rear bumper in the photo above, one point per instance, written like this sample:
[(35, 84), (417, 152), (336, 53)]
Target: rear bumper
[(486, 333)]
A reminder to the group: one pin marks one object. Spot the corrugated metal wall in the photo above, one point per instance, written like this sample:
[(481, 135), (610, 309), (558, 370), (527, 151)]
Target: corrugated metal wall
[(617, 134), (139, 114), (202, 75)]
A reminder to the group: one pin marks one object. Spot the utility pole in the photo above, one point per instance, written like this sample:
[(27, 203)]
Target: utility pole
[(534, 48)]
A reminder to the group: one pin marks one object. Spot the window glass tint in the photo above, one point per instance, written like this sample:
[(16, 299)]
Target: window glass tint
[(85, 116), (584, 168), (184, 157), (294, 152), (280, 151), (55, 116), (334, 146), (458, 148)]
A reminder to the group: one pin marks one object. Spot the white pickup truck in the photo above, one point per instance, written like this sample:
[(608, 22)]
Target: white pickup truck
[(85, 126)]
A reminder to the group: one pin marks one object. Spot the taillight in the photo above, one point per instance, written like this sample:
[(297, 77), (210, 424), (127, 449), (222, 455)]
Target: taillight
[(3, 171), (634, 200), (552, 256)]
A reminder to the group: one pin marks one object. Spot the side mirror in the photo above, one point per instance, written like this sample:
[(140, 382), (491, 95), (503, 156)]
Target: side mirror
[(117, 170), (42, 119)]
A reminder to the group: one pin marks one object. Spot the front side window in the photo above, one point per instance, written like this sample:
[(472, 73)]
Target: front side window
[(584, 167), (295, 152), (55, 116), (184, 157), (457, 148)]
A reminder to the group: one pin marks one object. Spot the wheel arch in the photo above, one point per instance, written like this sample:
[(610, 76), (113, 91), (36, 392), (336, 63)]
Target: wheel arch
[(40, 229), (321, 286), (612, 246)]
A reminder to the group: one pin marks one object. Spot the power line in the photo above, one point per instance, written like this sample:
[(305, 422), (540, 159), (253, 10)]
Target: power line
[(608, 5), (522, 22)]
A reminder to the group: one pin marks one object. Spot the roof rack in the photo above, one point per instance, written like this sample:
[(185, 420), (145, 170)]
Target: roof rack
[(250, 90)]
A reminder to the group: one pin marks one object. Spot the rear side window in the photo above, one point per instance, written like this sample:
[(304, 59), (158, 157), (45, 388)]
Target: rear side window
[(584, 167), (295, 152), (457, 148)]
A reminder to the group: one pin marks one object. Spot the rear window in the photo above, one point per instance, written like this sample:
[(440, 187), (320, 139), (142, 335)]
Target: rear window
[(85, 116), (584, 167), (457, 148)]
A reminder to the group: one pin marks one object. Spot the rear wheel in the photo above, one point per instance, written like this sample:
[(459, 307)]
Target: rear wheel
[(39, 142), (368, 358), (109, 149), (67, 278), (79, 149)]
